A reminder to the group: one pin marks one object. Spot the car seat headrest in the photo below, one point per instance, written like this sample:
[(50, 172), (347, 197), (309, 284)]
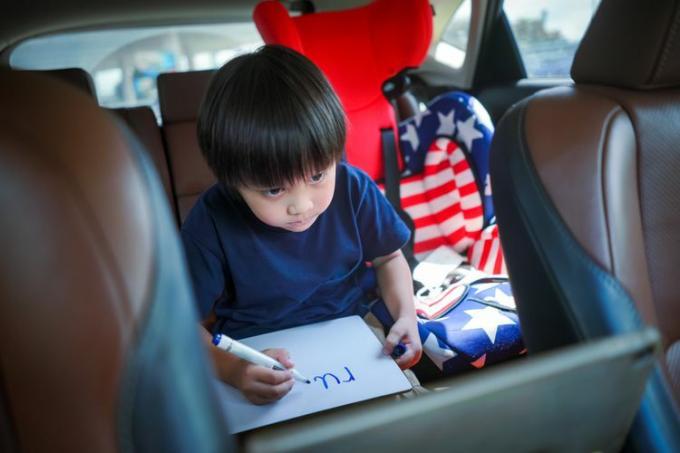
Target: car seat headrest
[(180, 94), (359, 48), (76, 77), (631, 45)]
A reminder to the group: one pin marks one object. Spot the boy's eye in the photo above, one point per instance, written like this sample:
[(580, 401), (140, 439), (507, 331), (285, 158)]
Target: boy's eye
[(317, 177), (273, 192)]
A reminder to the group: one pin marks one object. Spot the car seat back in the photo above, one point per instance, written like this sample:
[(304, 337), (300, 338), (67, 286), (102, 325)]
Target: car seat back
[(99, 340), (180, 95), (586, 190), (142, 121)]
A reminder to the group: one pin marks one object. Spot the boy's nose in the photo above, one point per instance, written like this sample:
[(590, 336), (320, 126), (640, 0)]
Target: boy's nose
[(300, 206)]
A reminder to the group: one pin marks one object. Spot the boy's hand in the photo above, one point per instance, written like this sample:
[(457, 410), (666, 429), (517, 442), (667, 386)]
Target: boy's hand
[(262, 385), (404, 330)]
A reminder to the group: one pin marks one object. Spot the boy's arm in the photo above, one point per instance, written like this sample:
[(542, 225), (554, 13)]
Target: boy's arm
[(209, 275), (396, 289)]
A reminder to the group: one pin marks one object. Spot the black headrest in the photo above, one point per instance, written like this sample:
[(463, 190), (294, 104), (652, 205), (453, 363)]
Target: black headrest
[(631, 44)]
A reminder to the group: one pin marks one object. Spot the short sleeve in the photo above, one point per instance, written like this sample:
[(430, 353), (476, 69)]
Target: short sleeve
[(382, 231), (207, 273)]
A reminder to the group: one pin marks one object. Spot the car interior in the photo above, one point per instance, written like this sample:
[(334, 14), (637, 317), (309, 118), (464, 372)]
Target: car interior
[(100, 165)]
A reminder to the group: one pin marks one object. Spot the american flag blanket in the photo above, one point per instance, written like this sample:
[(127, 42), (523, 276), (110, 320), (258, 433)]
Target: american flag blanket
[(479, 328), (446, 190), (462, 119), (445, 187)]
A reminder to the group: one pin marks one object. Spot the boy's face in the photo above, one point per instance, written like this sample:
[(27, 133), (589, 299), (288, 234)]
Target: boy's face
[(295, 207)]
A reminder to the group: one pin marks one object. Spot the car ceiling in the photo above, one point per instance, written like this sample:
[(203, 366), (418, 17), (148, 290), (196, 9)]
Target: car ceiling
[(22, 19)]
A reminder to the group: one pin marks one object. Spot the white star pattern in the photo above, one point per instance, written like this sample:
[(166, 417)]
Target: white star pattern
[(487, 319), (419, 117), (435, 352), (482, 115), (487, 186), (447, 125), (411, 136), (467, 132), (501, 298)]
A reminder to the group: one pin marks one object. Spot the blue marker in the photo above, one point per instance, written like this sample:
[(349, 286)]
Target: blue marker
[(398, 350), (245, 352)]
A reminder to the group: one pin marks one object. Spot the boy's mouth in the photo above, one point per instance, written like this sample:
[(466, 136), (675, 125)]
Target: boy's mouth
[(304, 222)]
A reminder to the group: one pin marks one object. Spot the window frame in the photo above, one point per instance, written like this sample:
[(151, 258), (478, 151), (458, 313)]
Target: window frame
[(440, 74)]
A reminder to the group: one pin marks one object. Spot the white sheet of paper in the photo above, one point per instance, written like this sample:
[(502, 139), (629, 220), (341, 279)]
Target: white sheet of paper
[(343, 351)]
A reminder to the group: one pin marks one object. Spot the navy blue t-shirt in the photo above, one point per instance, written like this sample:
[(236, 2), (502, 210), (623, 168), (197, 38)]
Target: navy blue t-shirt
[(260, 278)]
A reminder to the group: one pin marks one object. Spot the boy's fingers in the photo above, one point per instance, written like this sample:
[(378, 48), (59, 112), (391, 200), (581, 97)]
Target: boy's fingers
[(392, 339), (281, 355), (405, 360), (264, 394), (273, 392), (410, 358), (277, 353), (285, 361), (271, 377)]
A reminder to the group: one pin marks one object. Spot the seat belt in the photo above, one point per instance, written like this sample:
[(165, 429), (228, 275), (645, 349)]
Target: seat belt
[(389, 152), (392, 190), (392, 88)]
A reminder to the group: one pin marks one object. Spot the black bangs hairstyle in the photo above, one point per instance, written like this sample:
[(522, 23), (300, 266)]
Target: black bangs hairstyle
[(270, 118)]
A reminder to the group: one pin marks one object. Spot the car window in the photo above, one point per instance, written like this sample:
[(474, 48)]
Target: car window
[(548, 32), (452, 45), (124, 63)]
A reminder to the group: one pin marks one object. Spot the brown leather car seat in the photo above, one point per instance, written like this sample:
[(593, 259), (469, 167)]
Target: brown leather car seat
[(76, 77), (99, 349), (587, 193), (142, 121), (180, 95)]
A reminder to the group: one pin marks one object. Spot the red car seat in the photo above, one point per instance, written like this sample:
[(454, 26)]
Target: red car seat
[(358, 49)]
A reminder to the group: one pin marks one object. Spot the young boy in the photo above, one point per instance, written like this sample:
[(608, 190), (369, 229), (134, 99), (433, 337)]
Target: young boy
[(284, 237)]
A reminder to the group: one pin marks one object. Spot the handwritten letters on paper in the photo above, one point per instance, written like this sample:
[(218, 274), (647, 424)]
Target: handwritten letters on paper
[(323, 378)]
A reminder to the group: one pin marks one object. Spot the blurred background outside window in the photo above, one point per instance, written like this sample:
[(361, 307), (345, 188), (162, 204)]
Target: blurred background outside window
[(548, 32), (124, 63), (453, 42)]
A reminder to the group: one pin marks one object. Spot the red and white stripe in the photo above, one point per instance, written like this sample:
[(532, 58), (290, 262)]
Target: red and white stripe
[(486, 254), (444, 201), (446, 206)]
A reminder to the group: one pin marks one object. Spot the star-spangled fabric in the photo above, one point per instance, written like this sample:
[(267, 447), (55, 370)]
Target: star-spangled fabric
[(443, 200), (486, 253), (482, 329), (460, 117), (446, 190), (445, 187)]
